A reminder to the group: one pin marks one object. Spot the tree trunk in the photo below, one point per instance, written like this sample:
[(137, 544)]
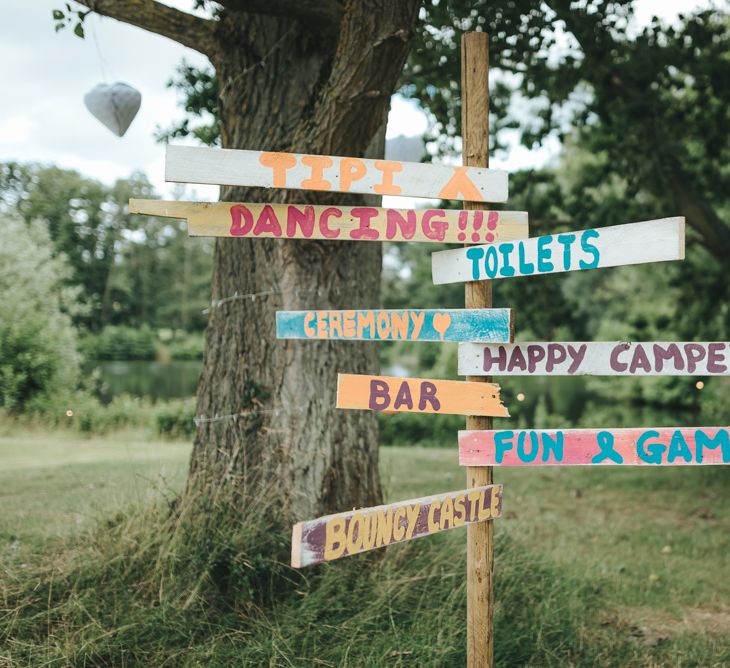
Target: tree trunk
[(282, 87)]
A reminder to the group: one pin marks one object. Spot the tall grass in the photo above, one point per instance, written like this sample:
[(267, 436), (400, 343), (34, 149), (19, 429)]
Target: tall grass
[(208, 584)]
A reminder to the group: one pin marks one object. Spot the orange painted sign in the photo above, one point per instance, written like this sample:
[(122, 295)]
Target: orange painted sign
[(389, 394)]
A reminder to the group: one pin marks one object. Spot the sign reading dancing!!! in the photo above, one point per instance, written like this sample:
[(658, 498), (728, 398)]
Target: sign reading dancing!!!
[(399, 325), (600, 358), (575, 447), (342, 535), (635, 243), (220, 166), (418, 395), (338, 223)]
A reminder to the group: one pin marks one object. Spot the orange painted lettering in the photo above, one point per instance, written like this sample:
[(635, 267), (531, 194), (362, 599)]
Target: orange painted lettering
[(461, 184), (279, 163)]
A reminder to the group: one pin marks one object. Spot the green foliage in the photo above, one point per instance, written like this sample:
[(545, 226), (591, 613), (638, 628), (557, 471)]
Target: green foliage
[(134, 270), (118, 342), (198, 89), (175, 419), (187, 347), (38, 355)]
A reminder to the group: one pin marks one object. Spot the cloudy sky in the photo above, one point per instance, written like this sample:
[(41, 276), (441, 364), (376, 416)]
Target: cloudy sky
[(42, 116)]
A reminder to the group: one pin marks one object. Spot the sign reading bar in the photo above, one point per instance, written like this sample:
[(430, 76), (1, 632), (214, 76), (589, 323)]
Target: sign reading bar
[(264, 169), (344, 534), (599, 358), (575, 447), (635, 243), (494, 325), (343, 223), (418, 395)]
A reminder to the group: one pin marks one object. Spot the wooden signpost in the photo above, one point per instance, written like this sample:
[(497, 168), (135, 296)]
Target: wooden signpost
[(493, 325), (485, 334), (344, 534), (635, 243), (576, 447), (191, 164), (418, 395), (340, 223), (597, 358)]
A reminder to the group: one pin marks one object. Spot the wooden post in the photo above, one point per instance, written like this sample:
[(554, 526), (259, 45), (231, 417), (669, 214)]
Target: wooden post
[(479, 537)]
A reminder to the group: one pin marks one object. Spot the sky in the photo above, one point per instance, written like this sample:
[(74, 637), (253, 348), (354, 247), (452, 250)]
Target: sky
[(47, 74)]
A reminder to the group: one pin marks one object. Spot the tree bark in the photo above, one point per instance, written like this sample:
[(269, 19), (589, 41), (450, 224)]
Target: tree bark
[(285, 88)]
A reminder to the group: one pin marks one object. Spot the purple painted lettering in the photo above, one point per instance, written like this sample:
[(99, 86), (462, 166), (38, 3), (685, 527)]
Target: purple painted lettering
[(616, 364), (428, 395), (556, 354), (716, 358), (695, 353), (379, 391), (500, 359)]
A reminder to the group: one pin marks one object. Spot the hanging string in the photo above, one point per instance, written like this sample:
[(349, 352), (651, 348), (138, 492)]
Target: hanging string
[(103, 64), (277, 45), (201, 419), (253, 296)]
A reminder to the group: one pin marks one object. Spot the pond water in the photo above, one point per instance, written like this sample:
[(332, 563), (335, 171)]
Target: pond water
[(155, 380)]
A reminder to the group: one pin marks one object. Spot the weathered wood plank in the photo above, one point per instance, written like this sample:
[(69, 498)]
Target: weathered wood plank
[(493, 325), (418, 395), (576, 447), (344, 534), (340, 223), (635, 243), (220, 166), (596, 358)]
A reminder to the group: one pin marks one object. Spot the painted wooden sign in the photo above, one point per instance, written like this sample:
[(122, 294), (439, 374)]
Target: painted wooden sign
[(598, 358), (418, 395), (635, 243), (575, 447), (493, 325), (344, 534), (264, 169), (342, 223)]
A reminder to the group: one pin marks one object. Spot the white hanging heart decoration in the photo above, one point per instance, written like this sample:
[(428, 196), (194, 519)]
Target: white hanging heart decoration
[(115, 105)]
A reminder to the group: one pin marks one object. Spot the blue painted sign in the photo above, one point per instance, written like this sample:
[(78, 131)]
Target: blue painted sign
[(478, 325)]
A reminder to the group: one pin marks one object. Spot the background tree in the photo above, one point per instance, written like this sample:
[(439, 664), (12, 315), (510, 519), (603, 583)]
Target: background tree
[(309, 77), (38, 358)]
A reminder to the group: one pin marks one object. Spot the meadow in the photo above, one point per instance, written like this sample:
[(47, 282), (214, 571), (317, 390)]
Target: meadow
[(595, 566)]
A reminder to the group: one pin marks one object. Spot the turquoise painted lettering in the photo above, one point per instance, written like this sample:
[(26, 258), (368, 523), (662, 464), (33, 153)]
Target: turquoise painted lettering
[(522, 453), (587, 247), (702, 441), (567, 241), (502, 443), (554, 443), (475, 254), (544, 253), (506, 269), (651, 453)]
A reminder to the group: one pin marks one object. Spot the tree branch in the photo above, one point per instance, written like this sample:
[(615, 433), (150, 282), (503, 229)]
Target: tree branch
[(322, 16), (187, 29), (375, 37)]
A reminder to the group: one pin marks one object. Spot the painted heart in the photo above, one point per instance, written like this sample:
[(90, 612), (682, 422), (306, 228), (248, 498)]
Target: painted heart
[(441, 322), (114, 105)]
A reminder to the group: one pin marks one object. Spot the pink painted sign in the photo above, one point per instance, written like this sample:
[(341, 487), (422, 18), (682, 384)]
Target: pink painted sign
[(662, 446)]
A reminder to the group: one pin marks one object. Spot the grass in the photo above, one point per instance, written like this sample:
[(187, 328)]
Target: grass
[(595, 566)]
